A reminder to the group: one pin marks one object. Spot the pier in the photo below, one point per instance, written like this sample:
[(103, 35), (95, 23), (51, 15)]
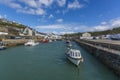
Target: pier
[(107, 51)]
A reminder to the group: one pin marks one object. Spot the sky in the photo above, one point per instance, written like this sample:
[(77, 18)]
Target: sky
[(63, 16)]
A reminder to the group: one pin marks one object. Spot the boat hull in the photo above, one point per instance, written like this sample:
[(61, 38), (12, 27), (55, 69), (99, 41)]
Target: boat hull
[(31, 44), (2, 48), (74, 60)]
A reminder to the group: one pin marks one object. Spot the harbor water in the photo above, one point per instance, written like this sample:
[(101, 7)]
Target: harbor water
[(48, 62)]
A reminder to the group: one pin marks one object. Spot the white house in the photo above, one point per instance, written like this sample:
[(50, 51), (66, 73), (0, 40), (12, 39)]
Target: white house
[(28, 32), (86, 36)]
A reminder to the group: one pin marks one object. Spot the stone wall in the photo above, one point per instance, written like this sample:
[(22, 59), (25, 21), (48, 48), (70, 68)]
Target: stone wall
[(107, 45), (110, 59)]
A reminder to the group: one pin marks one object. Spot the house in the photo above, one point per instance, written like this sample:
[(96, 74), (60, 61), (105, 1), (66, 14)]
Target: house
[(86, 35), (28, 32)]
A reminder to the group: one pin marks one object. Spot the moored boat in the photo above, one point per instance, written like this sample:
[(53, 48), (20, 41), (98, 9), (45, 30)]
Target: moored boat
[(68, 41), (44, 41), (2, 45), (31, 43), (50, 40), (74, 56)]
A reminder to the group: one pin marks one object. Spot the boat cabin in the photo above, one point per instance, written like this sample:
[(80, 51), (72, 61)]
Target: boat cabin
[(74, 53)]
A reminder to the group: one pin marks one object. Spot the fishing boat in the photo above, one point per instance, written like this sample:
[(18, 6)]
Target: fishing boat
[(31, 43), (74, 56), (2, 45)]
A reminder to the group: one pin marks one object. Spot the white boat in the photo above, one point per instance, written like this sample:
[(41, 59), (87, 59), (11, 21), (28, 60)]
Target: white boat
[(50, 40), (2, 45), (74, 56), (31, 43)]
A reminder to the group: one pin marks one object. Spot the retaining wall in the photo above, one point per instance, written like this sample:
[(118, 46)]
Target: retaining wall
[(106, 56)]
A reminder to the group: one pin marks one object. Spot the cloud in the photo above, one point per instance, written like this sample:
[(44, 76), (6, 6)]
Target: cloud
[(115, 22), (99, 28), (61, 3), (31, 3), (45, 2), (51, 27), (34, 7), (107, 25), (77, 27), (15, 5), (11, 3), (75, 5), (87, 1), (51, 16), (59, 20), (32, 11), (104, 23), (40, 7), (0, 16), (66, 32), (55, 28), (61, 28), (58, 11), (37, 3), (40, 11), (3, 16)]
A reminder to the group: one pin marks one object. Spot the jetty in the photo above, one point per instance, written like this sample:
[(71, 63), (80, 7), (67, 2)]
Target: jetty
[(107, 51)]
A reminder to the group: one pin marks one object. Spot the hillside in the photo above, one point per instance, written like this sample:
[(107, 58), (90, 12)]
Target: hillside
[(113, 31), (13, 28), (5, 22)]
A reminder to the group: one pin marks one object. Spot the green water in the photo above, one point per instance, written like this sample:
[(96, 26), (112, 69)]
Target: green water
[(48, 62)]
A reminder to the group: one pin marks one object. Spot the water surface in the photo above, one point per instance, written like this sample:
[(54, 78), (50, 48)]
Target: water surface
[(48, 62)]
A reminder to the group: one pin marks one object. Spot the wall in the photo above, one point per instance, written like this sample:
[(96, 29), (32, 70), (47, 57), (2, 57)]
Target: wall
[(110, 59)]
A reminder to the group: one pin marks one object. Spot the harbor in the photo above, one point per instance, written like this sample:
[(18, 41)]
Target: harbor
[(48, 62), (59, 40)]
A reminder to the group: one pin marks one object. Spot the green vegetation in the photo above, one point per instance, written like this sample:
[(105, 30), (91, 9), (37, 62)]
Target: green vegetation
[(113, 31), (7, 23)]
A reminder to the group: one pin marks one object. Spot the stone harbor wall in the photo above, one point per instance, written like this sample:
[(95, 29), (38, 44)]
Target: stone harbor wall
[(109, 56)]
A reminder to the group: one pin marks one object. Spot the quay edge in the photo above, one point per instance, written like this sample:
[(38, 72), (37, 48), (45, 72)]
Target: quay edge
[(14, 42), (108, 56)]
